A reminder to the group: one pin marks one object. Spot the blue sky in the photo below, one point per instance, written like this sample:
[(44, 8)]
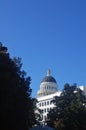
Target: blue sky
[(46, 34)]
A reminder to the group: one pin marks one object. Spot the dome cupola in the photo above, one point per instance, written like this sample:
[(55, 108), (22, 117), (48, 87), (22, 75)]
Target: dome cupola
[(48, 78), (48, 85)]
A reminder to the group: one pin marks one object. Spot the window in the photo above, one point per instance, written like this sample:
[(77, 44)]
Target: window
[(51, 102), (42, 110), (47, 102), (47, 109), (42, 104)]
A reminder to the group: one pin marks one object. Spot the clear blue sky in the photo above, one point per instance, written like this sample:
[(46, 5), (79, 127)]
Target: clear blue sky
[(46, 34)]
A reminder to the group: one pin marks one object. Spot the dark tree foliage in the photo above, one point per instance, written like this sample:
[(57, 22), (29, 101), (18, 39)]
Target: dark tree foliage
[(69, 111), (16, 104)]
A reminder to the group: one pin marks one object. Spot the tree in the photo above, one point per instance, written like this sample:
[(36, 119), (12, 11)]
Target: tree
[(70, 109), (16, 104)]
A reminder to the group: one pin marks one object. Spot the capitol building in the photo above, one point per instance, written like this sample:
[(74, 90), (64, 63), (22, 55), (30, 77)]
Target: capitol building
[(48, 90)]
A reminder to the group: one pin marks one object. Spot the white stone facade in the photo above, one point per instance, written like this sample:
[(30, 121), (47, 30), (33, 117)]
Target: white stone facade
[(48, 90), (45, 104), (83, 88)]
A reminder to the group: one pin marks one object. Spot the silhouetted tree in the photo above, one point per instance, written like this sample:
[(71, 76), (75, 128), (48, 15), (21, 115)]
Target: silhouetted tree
[(16, 104), (70, 110)]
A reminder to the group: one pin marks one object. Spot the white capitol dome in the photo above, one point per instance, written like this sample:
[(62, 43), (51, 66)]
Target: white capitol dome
[(48, 85)]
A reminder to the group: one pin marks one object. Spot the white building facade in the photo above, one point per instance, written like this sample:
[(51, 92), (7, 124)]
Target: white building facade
[(48, 90)]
